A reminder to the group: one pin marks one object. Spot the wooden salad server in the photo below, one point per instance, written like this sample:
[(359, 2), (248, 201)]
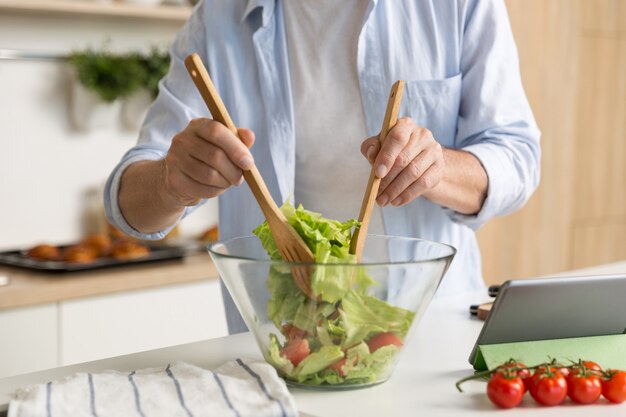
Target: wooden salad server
[(288, 241), (371, 191)]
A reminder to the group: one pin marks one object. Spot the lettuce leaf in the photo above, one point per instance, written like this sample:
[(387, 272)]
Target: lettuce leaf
[(329, 241), (364, 315)]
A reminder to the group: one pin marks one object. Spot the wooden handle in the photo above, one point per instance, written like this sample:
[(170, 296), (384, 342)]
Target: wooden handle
[(203, 82), (391, 117)]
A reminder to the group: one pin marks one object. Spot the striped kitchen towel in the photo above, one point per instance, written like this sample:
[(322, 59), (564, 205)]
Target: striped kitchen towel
[(238, 388)]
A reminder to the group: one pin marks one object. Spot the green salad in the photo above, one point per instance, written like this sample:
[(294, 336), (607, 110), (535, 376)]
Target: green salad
[(345, 336)]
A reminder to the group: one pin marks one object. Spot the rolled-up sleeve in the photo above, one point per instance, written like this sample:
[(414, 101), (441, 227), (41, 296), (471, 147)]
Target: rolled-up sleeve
[(176, 104), (495, 122)]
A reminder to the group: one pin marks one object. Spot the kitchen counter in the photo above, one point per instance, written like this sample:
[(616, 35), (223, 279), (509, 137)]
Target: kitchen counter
[(423, 383), (28, 287)]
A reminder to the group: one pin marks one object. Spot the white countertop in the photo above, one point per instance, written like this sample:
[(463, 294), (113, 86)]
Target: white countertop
[(423, 384)]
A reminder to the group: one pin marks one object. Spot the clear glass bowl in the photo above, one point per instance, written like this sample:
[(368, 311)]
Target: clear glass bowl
[(351, 335)]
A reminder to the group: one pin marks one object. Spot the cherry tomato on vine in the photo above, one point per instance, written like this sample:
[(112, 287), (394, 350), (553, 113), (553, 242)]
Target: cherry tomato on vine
[(523, 372), (588, 366), (584, 388), (548, 388), (614, 388), (505, 391), (592, 366)]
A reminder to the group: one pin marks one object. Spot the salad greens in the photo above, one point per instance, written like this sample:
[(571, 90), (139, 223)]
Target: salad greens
[(345, 336)]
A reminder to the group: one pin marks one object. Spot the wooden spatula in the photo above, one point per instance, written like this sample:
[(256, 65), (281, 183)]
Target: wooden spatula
[(288, 241), (391, 117)]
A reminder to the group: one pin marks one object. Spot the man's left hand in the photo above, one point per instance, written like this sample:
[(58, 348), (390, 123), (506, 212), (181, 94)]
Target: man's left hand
[(410, 162)]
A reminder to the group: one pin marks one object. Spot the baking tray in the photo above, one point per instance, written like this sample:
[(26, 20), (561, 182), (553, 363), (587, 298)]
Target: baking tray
[(157, 253)]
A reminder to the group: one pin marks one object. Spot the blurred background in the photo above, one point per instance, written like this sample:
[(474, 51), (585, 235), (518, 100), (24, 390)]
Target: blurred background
[(63, 126), (573, 63)]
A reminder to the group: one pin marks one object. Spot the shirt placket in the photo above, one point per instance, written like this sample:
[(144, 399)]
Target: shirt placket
[(270, 49)]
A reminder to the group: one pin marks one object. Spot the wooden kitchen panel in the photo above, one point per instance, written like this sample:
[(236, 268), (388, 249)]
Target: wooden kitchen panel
[(599, 241), (603, 17), (600, 139), (534, 240)]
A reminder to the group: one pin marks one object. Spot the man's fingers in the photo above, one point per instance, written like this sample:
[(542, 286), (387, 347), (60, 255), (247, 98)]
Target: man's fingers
[(187, 190), (205, 174), (198, 189), (394, 143), (189, 148), (405, 157), (370, 148), (218, 135), (246, 136), (412, 173), (424, 183)]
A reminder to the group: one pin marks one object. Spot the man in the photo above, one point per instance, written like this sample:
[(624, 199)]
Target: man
[(310, 80)]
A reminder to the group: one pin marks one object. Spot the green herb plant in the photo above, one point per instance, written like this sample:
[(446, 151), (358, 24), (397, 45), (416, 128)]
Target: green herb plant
[(112, 76)]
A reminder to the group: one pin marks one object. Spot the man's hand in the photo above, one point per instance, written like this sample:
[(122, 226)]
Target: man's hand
[(204, 160), (410, 162)]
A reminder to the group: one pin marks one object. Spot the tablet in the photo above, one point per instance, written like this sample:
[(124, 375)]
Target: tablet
[(555, 308)]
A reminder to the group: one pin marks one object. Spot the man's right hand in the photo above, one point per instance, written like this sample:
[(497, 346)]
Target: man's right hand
[(204, 160)]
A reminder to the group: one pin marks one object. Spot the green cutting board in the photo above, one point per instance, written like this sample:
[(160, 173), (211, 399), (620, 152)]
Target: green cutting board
[(608, 351)]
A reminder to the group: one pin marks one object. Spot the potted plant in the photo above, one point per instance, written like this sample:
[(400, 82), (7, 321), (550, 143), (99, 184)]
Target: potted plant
[(103, 78), (135, 107)]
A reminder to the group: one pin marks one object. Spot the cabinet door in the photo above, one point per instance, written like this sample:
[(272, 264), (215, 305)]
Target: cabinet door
[(118, 324), (28, 339)]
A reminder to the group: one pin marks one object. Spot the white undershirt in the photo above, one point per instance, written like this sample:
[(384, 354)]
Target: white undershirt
[(331, 172)]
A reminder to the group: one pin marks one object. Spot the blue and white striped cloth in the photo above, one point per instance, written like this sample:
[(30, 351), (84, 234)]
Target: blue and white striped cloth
[(237, 388)]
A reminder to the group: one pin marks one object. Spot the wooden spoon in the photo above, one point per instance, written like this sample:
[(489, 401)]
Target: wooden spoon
[(288, 241), (391, 117)]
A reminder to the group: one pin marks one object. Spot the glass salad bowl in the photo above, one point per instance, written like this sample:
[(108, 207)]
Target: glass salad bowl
[(350, 334)]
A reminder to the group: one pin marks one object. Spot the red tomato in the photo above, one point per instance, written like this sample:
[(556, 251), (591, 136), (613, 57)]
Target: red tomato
[(523, 373), (584, 389), (588, 366), (296, 350), (549, 388), (338, 366), (505, 392), (592, 366), (614, 389), (293, 332), (383, 339)]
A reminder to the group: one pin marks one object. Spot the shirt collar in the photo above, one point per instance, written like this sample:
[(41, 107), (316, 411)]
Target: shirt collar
[(268, 9)]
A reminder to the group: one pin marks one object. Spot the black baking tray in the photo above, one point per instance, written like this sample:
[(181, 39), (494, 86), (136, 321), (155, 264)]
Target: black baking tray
[(157, 253)]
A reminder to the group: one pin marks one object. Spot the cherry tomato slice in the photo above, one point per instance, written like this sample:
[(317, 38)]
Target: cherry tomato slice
[(296, 350), (383, 339)]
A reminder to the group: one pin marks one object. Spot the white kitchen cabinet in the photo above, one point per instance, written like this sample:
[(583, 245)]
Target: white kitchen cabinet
[(117, 324), (28, 339)]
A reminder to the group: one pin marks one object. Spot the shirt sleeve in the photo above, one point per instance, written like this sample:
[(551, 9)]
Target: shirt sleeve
[(176, 104), (495, 122)]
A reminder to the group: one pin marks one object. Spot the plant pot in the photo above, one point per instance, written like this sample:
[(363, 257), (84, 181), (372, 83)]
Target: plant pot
[(88, 111), (134, 110)]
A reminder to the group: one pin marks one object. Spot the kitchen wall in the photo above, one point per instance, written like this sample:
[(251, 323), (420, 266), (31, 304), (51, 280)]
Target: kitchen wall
[(47, 168), (573, 63)]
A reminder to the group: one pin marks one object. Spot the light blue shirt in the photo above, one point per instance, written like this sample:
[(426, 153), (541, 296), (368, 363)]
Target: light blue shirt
[(462, 76)]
